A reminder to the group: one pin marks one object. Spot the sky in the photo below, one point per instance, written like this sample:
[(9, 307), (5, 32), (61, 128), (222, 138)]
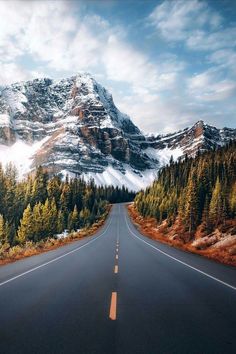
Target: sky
[(167, 63)]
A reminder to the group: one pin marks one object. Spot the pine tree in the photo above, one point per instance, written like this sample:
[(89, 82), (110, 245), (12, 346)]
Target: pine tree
[(84, 216), (73, 221), (205, 216), (25, 230), (232, 201), (60, 222), (49, 218), (53, 217), (38, 222), (39, 190), (191, 204), (216, 205), (53, 189), (2, 231)]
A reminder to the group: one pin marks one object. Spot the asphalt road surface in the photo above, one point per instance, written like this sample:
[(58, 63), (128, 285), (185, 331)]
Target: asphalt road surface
[(117, 292)]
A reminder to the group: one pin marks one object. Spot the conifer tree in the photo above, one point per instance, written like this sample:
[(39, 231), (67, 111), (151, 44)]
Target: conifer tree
[(191, 204), (25, 230), (73, 219), (216, 204), (2, 231), (60, 222), (232, 201), (84, 216), (38, 222), (205, 216), (39, 189), (53, 217)]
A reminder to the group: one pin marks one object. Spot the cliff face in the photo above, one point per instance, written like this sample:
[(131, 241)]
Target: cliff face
[(73, 126), (200, 136), (85, 130)]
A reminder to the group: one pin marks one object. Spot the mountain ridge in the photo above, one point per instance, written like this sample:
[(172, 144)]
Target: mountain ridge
[(73, 126)]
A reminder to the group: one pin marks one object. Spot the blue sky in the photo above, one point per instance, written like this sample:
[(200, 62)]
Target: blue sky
[(167, 63)]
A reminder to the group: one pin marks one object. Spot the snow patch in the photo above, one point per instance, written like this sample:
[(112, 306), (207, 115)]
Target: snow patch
[(5, 120), (15, 100), (132, 180), (20, 154), (164, 155)]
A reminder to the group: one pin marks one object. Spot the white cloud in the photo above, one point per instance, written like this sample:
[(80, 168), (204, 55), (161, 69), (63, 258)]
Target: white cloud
[(159, 115), (194, 23), (12, 72), (123, 63), (224, 58), (52, 36), (208, 86), (176, 19), (48, 32), (37, 27), (202, 40)]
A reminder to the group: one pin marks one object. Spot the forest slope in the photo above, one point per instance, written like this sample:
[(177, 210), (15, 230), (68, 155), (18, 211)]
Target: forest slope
[(192, 204), (39, 209)]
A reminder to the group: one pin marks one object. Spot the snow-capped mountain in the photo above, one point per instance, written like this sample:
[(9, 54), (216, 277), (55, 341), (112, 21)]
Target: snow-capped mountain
[(73, 126), (200, 136)]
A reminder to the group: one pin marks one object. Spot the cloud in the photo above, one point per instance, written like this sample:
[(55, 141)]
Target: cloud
[(36, 27), (10, 71), (124, 63), (175, 20), (159, 91), (208, 86), (68, 43), (202, 40), (224, 59), (194, 23), (160, 114)]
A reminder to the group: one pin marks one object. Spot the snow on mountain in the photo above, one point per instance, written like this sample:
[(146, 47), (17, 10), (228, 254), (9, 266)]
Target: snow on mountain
[(20, 154), (73, 126), (134, 180), (164, 155), (200, 136)]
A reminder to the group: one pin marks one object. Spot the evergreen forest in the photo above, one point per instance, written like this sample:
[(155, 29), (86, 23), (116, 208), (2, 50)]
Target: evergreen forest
[(41, 206), (196, 191)]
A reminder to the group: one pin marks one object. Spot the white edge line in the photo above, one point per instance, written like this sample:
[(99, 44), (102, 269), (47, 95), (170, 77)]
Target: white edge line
[(177, 260), (55, 259)]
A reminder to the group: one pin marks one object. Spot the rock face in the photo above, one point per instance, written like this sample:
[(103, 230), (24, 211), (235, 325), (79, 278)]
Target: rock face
[(200, 137), (74, 127)]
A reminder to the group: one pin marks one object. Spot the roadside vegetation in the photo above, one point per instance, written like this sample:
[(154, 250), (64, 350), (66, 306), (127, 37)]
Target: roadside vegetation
[(192, 204), (39, 212)]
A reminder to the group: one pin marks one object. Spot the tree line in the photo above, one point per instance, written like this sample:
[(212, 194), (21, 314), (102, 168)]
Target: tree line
[(39, 206), (197, 191)]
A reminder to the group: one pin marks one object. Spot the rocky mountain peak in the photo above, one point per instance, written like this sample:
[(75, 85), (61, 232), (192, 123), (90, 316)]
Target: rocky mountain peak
[(73, 126)]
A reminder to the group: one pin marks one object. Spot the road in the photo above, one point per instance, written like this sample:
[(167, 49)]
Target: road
[(117, 292)]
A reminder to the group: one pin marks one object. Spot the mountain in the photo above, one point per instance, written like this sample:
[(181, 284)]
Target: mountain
[(201, 137), (73, 126)]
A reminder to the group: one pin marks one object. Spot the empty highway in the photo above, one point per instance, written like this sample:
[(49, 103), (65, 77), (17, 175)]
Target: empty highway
[(117, 292)]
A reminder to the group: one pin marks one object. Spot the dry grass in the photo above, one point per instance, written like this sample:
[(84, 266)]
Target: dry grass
[(177, 237), (16, 253)]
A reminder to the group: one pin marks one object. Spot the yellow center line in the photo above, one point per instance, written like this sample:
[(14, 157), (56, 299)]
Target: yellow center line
[(113, 306), (116, 269), (117, 256)]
